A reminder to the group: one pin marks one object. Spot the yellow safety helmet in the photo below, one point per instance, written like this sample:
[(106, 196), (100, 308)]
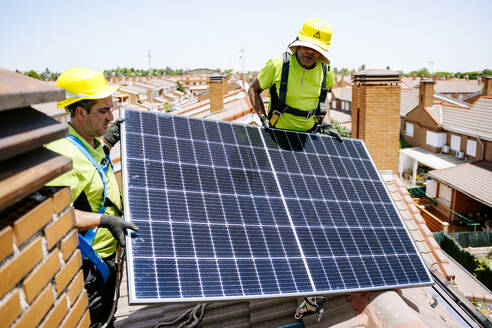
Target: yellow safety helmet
[(83, 83), (315, 34)]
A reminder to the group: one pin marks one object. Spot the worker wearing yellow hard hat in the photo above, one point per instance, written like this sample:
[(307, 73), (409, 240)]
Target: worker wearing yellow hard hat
[(83, 83), (96, 197), (299, 82)]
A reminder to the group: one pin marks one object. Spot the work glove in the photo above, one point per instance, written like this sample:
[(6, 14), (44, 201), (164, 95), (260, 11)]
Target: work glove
[(112, 136), (327, 128), (266, 122), (117, 226)]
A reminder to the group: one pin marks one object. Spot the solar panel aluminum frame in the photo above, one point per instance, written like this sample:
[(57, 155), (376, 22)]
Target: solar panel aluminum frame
[(133, 299)]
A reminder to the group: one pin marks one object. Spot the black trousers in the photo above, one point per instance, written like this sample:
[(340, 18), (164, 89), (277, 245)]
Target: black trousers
[(100, 293)]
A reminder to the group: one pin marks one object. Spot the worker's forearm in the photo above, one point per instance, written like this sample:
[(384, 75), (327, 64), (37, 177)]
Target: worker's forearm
[(86, 220), (256, 102)]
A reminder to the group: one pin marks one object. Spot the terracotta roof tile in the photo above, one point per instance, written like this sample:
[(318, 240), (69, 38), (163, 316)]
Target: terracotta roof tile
[(473, 179)]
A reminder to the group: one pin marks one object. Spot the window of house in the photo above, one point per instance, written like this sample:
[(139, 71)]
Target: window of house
[(455, 143), (435, 139), (409, 129), (471, 148), (431, 188), (445, 194)]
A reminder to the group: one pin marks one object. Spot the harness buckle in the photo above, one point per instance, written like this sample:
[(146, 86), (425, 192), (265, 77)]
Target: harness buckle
[(310, 114), (318, 118), (310, 305), (275, 116)]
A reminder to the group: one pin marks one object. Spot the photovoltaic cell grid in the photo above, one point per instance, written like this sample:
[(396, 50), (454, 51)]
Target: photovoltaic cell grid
[(230, 211)]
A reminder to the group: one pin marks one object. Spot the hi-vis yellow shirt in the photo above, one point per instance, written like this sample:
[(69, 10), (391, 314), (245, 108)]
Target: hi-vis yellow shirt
[(303, 89), (84, 178)]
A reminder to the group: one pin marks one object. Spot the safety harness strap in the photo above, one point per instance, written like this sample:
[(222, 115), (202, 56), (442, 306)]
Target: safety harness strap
[(298, 112), (85, 241), (284, 78), (321, 109), (89, 252), (101, 169)]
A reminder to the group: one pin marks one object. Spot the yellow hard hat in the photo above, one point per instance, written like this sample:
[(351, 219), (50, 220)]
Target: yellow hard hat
[(315, 34), (83, 83)]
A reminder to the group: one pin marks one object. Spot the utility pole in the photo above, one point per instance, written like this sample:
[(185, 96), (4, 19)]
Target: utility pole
[(241, 58), (149, 55)]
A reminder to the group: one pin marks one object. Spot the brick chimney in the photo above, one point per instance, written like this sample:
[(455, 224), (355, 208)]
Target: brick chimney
[(216, 91), (426, 93), (487, 86), (376, 114), (42, 281)]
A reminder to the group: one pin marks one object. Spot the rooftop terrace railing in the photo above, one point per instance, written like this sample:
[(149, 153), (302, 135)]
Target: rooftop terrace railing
[(418, 192)]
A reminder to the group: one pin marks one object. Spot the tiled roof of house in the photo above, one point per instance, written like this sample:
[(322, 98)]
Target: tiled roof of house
[(234, 109), (344, 93), (410, 83), (409, 99), (134, 89), (458, 86), (435, 113), (476, 121), (473, 179), (451, 100)]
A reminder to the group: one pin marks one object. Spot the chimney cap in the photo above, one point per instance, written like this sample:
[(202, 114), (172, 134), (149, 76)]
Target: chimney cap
[(216, 78), (427, 81), (376, 76), (377, 73)]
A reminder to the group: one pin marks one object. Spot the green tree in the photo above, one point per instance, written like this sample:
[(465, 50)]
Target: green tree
[(344, 132), (423, 72), (404, 143), (486, 72), (33, 74), (180, 87)]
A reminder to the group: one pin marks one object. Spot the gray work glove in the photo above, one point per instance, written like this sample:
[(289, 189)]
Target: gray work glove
[(265, 122), (112, 136), (117, 226), (327, 128)]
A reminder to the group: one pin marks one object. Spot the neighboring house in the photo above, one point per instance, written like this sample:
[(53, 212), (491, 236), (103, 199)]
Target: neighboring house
[(341, 98), (410, 82), (458, 128), (458, 88), (463, 193), (342, 81), (221, 104)]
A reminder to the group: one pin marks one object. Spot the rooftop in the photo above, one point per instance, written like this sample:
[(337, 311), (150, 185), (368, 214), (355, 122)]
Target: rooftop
[(476, 121), (433, 160), (476, 184)]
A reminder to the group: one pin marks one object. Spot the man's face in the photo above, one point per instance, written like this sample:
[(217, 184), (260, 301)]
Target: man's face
[(307, 57), (97, 121)]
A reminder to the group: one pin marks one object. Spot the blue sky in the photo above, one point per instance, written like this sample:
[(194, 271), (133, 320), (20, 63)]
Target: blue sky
[(405, 35)]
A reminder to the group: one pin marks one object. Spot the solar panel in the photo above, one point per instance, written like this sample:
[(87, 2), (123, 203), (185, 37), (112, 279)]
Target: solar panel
[(229, 211)]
